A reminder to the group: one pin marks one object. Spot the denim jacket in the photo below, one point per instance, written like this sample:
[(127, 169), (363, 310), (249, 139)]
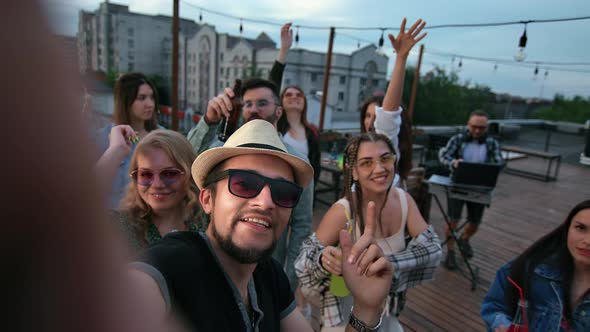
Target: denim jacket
[(548, 300)]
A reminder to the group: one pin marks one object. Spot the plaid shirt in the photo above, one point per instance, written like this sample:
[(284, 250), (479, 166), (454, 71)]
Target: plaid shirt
[(411, 267), (456, 146)]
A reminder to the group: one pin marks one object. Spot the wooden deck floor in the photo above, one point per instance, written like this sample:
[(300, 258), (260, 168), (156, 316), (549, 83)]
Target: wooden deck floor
[(522, 211)]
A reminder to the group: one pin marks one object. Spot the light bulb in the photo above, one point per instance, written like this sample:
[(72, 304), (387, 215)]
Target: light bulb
[(381, 41), (520, 54)]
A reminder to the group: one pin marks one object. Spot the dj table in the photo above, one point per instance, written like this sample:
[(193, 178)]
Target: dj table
[(442, 185)]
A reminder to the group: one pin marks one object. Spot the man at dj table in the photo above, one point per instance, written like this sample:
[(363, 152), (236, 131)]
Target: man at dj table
[(472, 145)]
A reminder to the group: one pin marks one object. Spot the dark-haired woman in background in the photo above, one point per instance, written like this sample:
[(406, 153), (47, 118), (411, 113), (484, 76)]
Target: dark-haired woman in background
[(295, 129), (554, 274), (136, 103)]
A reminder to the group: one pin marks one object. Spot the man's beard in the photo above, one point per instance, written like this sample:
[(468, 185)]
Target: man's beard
[(243, 256)]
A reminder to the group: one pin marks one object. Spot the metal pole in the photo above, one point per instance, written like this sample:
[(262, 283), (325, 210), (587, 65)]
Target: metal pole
[(548, 137), (326, 78), (415, 85), (174, 125)]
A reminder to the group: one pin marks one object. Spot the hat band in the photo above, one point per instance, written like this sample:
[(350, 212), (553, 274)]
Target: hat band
[(260, 146)]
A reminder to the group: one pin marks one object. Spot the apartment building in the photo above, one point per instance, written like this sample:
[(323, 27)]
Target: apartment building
[(112, 38)]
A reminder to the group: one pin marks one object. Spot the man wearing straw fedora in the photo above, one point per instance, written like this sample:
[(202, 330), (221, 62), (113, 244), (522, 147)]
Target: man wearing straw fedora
[(260, 100), (224, 279)]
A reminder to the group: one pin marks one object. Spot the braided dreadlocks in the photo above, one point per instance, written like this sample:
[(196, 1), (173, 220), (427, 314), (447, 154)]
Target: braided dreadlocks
[(352, 190)]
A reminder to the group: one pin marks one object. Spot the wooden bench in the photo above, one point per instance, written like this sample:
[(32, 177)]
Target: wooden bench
[(550, 157)]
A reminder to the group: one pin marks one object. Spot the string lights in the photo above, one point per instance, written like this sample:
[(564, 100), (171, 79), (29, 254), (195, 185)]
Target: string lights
[(520, 54), (519, 57), (430, 27), (381, 43)]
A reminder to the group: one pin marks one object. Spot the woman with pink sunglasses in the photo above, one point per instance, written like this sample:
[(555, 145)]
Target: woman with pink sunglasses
[(162, 197)]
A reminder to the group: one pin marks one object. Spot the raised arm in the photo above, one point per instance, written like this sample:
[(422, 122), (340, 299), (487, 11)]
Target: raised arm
[(286, 42), (403, 44), (388, 119), (203, 134), (276, 73), (121, 139)]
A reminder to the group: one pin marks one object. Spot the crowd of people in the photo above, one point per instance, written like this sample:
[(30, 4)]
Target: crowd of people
[(219, 236)]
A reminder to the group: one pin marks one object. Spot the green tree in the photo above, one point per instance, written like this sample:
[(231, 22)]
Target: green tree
[(111, 78), (442, 100), (576, 109)]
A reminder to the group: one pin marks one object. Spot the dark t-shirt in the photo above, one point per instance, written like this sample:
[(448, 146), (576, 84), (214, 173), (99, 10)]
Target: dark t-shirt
[(201, 294)]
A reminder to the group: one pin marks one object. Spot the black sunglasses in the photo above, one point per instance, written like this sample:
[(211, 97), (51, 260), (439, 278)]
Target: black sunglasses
[(248, 184)]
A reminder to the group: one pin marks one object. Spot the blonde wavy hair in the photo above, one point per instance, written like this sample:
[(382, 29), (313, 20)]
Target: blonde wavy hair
[(179, 150)]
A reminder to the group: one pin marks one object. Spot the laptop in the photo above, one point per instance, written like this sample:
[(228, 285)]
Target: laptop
[(476, 176)]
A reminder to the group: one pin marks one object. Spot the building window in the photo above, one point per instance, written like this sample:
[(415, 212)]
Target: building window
[(375, 82), (130, 42), (288, 81), (314, 77), (130, 31), (130, 66), (363, 81), (339, 109), (236, 71), (220, 56), (342, 79), (221, 70), (221, 85), (340, 96)]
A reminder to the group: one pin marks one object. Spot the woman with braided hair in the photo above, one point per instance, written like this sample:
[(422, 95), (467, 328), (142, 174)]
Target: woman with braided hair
[(385, 114), (369, 168)]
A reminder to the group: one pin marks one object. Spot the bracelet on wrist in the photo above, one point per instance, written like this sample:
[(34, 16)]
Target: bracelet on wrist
[(361, 326)]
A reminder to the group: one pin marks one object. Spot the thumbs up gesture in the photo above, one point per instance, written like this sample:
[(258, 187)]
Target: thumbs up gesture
[(366, 271)]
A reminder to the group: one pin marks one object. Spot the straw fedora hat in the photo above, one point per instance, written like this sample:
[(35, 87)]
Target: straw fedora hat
[(254, 137)]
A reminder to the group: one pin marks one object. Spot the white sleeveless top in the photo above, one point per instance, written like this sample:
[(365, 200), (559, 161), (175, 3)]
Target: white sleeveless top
[(396, 242), (300, 146)]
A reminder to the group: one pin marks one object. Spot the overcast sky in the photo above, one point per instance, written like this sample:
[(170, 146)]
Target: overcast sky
[(547, 42)]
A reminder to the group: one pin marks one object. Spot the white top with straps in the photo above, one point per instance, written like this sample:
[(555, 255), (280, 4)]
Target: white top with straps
[(396, 242)]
